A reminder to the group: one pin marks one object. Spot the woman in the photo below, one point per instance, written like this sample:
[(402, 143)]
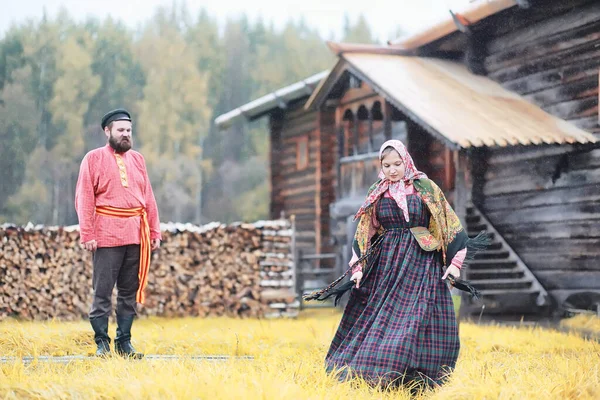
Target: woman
[(399, 324)]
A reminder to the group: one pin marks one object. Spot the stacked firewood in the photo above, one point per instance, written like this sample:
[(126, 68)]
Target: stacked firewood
[(242, 270)]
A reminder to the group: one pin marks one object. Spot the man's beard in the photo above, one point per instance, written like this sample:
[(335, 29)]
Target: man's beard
[(119, 145)]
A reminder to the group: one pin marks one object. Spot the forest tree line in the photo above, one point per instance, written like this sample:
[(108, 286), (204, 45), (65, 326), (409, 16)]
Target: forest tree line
[(175, 74)]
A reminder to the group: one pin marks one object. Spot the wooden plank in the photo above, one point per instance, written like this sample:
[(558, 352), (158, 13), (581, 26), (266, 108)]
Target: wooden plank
[(544, 167), (578, 108), (289, 149), (308, 218), (353, 98), (275, 124), (516, 19), (581, 57), (534, 182), (297, 189), (579, 89), (554, 196), (318, 188), (306, 226), (460, 203), (549, 32), (300, 201), (289, 152), (526, 230), (513, 154), (304, 234), (297, 129), (289, 143), (580, 211), (557, 46), (299, 113), (299, 116), (292, 209), (293, 180), (579, 247), (559, 261), (288, 167), (569, 279), (585, 159)]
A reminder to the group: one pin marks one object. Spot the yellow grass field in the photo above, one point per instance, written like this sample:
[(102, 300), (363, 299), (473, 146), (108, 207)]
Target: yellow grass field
[(495, 362)]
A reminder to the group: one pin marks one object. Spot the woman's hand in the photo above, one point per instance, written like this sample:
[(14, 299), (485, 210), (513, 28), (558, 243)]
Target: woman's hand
[(353, 260), (356, 277), (452, 270)]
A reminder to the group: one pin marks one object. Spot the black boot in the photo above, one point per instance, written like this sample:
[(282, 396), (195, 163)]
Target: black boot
[(100, 326), (123, 345)]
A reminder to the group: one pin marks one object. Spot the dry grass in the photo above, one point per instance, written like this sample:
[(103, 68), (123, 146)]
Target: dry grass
[(586, 322), (495, 362)]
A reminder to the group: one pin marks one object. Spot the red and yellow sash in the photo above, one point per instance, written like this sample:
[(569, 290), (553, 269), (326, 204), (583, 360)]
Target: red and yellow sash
[(144, 241)]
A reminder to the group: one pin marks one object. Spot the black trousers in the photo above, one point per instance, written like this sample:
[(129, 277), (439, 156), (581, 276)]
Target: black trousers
[(115, 265)]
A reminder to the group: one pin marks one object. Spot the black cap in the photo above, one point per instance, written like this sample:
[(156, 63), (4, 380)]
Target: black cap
[(120, 114)]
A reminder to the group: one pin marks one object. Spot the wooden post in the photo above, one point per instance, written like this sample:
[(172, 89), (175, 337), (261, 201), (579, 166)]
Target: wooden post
[(296, 267), (275, 152), (460, 207), (460, 187), (338, 166), (387, 120), (355, 137), (370, 144)]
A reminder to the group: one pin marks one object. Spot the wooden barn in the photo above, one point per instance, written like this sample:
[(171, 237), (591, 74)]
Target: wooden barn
[(295, 153), (499, 105)]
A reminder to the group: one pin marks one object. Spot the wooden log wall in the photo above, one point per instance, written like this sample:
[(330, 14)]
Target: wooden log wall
[(544, 200), (294, 190), (357, 176), (326, 178), (545, 203), (242, 270), (550, 54)]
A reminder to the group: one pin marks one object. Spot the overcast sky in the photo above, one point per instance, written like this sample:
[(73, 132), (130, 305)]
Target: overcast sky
[(384, 16)]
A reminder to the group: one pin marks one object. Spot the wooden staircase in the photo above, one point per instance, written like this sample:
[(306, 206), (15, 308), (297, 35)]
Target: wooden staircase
[(505, 282)]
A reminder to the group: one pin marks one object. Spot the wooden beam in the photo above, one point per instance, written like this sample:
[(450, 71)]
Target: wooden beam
[(339, 127), (387, 120), (460, 187), (318, 174), (276, 125), (370, 143)]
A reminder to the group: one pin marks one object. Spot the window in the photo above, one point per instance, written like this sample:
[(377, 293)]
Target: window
[(302, 153)]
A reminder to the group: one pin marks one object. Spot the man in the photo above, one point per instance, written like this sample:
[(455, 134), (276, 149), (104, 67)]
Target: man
[(118, 222)]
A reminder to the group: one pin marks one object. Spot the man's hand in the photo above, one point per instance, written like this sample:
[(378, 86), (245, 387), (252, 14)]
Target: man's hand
[(155, 244), (452, 270), (90, 246), (356, 277)]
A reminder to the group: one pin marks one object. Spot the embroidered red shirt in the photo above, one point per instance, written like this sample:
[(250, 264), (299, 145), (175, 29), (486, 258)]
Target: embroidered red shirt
[(107, 178)]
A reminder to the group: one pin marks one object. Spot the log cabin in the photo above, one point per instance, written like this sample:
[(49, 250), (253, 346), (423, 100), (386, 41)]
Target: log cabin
[(498, 104)]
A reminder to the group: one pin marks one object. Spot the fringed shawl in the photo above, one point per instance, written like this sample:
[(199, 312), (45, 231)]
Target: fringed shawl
[(444, 224)]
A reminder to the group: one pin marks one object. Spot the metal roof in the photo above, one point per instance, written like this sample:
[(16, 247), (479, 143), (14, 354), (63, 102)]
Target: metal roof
[(277, 99), (452, 103)]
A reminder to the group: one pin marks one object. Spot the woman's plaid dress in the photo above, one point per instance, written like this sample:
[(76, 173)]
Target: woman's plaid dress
[(400, 325)]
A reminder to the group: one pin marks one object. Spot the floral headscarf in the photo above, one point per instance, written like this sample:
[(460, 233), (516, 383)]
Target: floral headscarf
[(397, 189)]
